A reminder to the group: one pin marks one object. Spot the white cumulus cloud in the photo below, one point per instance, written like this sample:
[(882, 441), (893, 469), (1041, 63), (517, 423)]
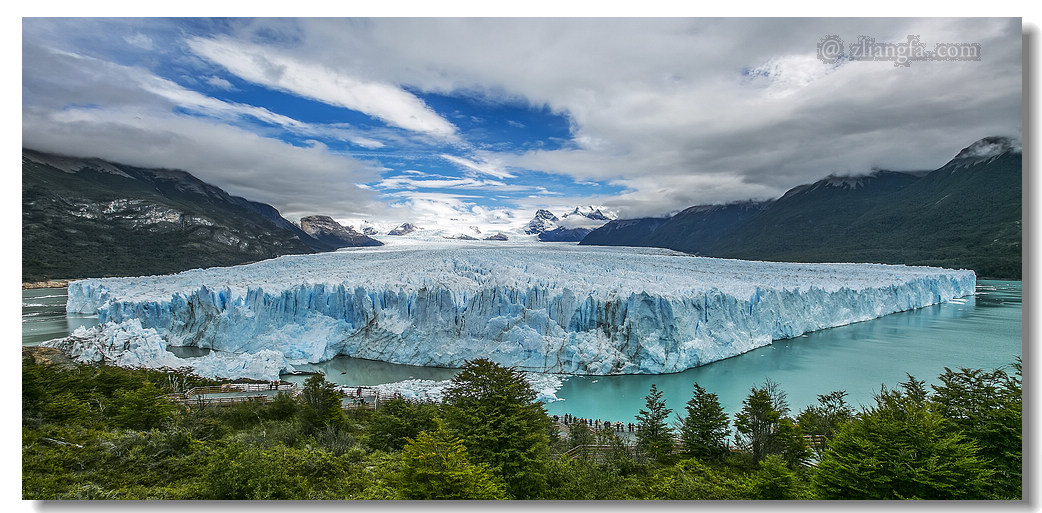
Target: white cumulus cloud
[(267, 67)]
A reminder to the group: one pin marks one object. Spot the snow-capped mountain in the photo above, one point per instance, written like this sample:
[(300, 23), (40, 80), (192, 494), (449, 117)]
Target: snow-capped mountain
[(569, 227), (984, 150), (593, 213), (474, 233), (403, 229), (543, 221), (370, 228)]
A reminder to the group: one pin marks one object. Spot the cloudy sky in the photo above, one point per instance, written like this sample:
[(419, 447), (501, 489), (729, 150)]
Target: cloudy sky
[(482, 121)]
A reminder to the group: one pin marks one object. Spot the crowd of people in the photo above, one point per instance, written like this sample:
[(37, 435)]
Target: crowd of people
[(618, 427)]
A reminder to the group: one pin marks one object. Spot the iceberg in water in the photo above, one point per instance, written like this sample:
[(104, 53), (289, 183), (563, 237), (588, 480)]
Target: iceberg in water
[(545, 387), (554, 308), (128, 344)]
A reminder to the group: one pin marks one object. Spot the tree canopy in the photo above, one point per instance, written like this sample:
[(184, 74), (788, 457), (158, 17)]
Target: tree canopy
[(494, 411), (705, 428), (435, 466), (654, 436), (986, 407), (901, 449), (100, 432), (763, 427)]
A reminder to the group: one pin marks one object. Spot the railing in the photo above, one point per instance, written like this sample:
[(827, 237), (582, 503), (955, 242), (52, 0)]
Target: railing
[(595, 452), (202, 400), (817, 443), (197, 396), (242, 387), (362, 405), (360, 398)]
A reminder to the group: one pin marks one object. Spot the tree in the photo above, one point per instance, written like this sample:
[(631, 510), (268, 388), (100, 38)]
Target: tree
[(435, 466), (619, 456), (579, 434), (775, 481), (987, 408), (282, 407), (758, 423), (141, 408), (825, 418), (241, 472), (494, 411), (34, 386), (321, 404), (705, 429), (692, 480), (65, 408), (242, 415), (654, 436), (901, 449), (397, 420), (789, 442)]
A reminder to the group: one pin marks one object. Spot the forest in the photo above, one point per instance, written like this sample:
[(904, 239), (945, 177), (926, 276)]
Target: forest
[(101, 432)]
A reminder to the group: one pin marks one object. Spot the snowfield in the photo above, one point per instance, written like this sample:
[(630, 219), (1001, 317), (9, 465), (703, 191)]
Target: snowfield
[(549, 307)]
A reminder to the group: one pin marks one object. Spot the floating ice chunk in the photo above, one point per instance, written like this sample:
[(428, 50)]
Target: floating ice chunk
[(124, 344), (127, 344), (264, 365), (545, 387), (414, 389)]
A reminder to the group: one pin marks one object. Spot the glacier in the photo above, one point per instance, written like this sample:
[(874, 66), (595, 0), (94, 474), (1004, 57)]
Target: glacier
[(128, 344), (549, 308)]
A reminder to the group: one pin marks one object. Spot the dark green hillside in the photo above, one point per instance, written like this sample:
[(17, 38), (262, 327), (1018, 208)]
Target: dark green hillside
[(969, 215), (624, 232), (90, 218), (697, 229), (693, 230), (811, 216), (966, 214)]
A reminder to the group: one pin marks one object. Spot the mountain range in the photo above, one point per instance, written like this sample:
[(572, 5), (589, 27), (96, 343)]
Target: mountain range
[(966, 214), (86, 217), (571, 226)]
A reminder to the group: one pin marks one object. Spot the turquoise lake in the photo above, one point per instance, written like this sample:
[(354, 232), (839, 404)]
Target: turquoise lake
[(983, 331)]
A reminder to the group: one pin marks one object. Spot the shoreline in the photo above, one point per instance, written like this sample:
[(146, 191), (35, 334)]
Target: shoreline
[(48, 284)]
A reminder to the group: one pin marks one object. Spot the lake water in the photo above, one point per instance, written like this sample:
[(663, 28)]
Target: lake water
[(983, 331), (44, 318)]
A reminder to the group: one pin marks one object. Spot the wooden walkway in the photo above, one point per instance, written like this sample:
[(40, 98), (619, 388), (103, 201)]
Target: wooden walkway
[(233, 393), (598, 453), (355, 398), (360, 398)]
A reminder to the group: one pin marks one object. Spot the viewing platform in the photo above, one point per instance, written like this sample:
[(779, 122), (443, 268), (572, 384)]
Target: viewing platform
[(234, 393), (352, 398)]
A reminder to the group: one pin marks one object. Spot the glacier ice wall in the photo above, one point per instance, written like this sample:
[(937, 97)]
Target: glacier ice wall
[(128, 344), (557, 308)]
